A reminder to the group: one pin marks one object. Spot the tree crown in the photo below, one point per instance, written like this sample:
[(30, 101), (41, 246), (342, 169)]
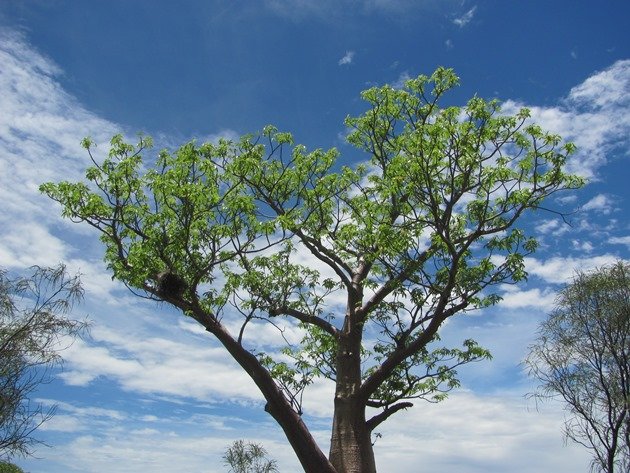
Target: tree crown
[(368, 260), (582, 356)]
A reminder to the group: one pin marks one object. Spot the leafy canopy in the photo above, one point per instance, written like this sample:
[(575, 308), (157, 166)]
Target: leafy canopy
[(376, 254)]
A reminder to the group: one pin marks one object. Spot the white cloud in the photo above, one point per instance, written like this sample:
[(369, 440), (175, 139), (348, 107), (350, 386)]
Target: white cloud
[(621, 241), (63, 423), (157, 450), (136, 451), (567, 198), (600, 203), (449, 44), (91, 412), (26, 243), (70, 418), (155, 365), (586, 246), (40, 123), (605, 89), (554, 227), (299, 9), (595, 116), (331, 10), (466, 18), (226, 134), (347, 58), (402, 78), (97, 282), (41, 128), (180, 438), (471, 434), (514, 298), (561, 270)]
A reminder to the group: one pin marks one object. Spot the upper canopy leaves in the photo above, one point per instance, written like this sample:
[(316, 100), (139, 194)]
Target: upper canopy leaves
[(419, 231)]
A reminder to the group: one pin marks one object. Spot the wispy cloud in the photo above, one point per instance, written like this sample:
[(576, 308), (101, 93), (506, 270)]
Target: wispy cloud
[(466, 18), (605, 89), (516, 298), (561, 270), (335, 10), (583, 246), (479, 434), (183, 442), (402, 78), (347, 58), (41, 127), (625, 240), (584, 117), (138, 364), (600, 203), (554, 227)]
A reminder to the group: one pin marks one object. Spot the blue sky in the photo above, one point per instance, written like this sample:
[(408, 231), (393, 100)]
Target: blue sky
[(148, 391)]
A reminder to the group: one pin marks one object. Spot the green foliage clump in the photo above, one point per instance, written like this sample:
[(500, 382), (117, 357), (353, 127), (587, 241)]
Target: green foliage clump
[(6, 467), (248, 457)]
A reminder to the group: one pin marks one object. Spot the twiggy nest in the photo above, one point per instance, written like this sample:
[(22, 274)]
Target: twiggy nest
[(170, 285)]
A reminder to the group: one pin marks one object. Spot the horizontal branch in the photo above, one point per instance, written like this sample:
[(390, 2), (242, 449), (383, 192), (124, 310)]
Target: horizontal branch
[(307, 319), (383, 416)]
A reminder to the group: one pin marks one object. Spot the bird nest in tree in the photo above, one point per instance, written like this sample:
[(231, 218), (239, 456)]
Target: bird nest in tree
[(170, 285)]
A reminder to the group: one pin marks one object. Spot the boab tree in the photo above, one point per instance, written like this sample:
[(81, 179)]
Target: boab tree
[(582, 356), (419, 232)]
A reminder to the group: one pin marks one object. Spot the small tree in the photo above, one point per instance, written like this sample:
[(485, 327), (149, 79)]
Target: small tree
[(32, 326), (6, 467), (421, 231), (248, 457), (582, 356)]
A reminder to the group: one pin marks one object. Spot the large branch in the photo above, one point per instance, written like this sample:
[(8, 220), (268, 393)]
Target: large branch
[(384, 415), (326, 256), (278, 406), (401, 353), (307, 319), (394, 283)]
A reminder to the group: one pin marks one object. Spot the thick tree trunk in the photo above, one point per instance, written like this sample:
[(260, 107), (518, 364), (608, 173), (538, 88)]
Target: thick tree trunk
[(351, 444)]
